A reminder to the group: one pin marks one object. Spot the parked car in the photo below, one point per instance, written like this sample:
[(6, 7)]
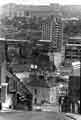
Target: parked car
[(37, 107)]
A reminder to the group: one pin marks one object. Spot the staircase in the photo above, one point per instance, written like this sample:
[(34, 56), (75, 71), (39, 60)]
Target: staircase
[(20, 88)]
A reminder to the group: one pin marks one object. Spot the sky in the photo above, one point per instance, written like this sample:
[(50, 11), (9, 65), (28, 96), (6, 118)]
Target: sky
[(41, 2)]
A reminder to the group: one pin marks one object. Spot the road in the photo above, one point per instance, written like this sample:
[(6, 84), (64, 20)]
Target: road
[(32, 116)]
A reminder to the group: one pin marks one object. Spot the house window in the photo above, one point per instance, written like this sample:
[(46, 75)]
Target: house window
[(51, 99), (26, 13), (35, 91), (35, 100)]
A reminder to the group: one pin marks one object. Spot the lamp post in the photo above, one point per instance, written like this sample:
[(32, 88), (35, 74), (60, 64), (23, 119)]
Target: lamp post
[(2, 70)]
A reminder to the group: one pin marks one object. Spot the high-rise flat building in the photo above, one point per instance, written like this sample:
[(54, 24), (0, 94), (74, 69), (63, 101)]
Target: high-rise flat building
[(52, 29)]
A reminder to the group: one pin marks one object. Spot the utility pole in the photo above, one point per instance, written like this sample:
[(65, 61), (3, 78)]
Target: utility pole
[(1, 64), (0, 89), (80, 79), (3, 60)]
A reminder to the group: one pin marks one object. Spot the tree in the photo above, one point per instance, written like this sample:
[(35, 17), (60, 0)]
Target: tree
[(72, 28)]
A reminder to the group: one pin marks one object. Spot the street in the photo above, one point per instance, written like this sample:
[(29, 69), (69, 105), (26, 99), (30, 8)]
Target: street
[(25, 115)]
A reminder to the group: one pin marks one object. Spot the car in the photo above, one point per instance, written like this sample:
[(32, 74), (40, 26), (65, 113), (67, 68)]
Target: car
[(37, 107)]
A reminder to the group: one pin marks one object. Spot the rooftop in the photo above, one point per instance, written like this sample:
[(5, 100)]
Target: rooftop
[(38, 83)]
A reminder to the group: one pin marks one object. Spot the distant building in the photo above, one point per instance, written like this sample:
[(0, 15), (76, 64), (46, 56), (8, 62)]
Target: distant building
[(73, 19), (72, 52), (74, 87), (12, 10), (40, 91), (43, 92), (52, 30)]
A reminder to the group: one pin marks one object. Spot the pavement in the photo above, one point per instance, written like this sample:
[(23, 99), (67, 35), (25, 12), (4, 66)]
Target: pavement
[(33, 115), (75, 116), (54, 108), (49, 107), (9, 110), (46, 107), (48, 113), (11, 114)]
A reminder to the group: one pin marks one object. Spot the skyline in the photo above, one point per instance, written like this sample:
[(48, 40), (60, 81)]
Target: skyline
[(41, 2)]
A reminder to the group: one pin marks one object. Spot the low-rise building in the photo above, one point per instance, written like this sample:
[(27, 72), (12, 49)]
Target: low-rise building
[(72, 48)]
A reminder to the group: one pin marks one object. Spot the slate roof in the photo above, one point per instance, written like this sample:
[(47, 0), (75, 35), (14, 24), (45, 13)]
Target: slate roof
[(38, 83), (20, 68)]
